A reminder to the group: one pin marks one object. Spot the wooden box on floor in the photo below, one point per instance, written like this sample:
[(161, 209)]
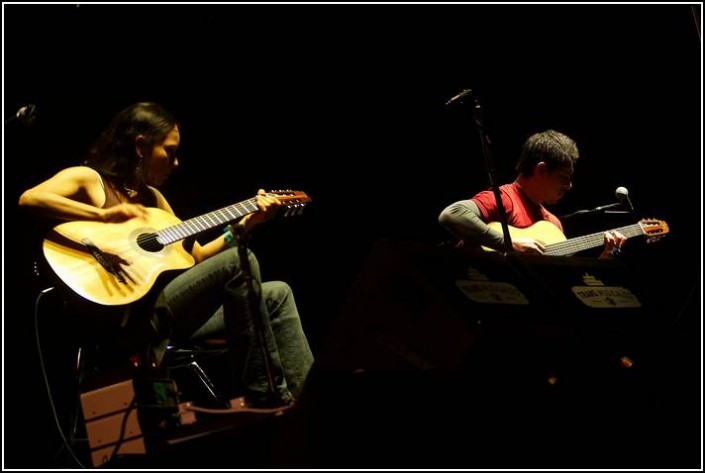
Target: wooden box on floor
[(112, 424)]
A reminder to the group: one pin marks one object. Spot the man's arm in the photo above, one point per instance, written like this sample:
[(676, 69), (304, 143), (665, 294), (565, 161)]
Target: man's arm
[(464, 220)]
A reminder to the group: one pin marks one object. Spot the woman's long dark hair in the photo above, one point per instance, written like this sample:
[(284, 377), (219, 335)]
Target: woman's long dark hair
[(113, 154)]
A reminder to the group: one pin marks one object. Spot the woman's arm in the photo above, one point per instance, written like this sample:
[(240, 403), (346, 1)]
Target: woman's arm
[(76, 193)]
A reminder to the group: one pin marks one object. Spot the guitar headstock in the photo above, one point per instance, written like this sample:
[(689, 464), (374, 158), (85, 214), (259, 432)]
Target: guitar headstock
[(653, 229), (292, 201)]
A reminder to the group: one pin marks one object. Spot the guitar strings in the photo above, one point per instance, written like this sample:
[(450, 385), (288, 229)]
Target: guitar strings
[(591, 240)]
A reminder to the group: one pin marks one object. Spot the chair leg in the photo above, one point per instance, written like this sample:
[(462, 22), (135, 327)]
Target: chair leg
[(216, 397), (75, 418), (74, 436)]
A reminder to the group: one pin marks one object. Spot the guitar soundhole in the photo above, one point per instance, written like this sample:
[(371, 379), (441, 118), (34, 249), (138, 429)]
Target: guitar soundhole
[(148, 242)]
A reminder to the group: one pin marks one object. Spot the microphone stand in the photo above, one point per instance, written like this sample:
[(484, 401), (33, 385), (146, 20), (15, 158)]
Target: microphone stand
[(25, 115), (254, 314), (492, 172)]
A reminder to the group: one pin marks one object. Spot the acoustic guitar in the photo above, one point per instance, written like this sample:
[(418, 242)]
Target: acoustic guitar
[(118, 263), (556, 243)]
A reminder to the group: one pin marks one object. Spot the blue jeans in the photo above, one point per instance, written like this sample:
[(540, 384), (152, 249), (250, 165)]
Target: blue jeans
[(211, 299)]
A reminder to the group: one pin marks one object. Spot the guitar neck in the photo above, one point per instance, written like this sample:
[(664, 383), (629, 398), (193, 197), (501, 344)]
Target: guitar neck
[(585, 242), (207, 221)]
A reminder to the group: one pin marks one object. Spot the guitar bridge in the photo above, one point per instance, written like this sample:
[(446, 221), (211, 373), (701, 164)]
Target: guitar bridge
[(102, 259)]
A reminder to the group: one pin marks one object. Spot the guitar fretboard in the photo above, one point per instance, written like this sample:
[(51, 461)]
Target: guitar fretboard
[(207, 221), (574, 245)]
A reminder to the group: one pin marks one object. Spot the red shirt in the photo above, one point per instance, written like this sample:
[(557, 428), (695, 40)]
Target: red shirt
[(521, 211)]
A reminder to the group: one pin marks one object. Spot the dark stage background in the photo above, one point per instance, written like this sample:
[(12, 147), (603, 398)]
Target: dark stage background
[(347, 104)]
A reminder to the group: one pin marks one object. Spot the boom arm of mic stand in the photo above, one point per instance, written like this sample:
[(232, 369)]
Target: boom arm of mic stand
[(602, 208), (491, 172)]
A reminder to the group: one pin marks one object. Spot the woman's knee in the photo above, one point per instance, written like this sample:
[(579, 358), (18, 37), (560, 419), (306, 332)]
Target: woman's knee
[(279, 299), (236, 263), (277, 291)]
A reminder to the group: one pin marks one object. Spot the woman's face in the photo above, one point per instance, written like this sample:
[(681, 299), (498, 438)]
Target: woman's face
[(160, 159)]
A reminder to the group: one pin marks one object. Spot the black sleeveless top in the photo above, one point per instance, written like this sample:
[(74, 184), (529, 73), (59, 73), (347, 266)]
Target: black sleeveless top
[(112, 196)]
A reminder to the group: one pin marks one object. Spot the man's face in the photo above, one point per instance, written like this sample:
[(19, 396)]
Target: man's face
[(557, 182)]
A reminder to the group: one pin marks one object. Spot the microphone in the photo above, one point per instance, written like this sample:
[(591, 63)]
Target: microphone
[(25, 115), (462, 94), (623, 195)]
